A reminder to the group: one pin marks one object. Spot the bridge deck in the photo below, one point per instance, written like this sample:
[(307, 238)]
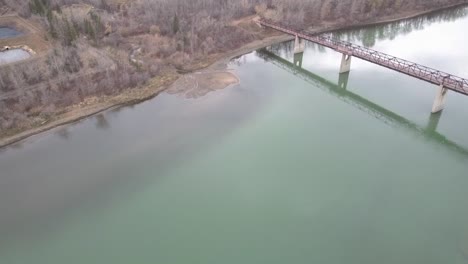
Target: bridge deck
[(449, 81)]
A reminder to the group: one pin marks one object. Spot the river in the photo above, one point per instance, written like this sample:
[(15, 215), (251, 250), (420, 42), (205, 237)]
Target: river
[(286, 167)]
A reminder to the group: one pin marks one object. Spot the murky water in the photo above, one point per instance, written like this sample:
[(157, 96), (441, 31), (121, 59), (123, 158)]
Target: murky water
[(6, 32), (289, 166), (13, 55)]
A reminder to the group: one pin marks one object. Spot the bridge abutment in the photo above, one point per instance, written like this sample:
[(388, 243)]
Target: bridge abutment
[(299, 45), (345, 63), (439, 101)]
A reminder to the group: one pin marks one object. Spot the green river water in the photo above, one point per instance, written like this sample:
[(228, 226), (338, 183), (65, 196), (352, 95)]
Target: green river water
[(286, 167)]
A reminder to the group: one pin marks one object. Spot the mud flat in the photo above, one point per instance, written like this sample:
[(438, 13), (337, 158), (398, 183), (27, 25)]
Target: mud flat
[(201, 83)]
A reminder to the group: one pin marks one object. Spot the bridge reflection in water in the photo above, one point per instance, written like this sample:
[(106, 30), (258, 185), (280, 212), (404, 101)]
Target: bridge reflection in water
[(444, 80), (340, 91)]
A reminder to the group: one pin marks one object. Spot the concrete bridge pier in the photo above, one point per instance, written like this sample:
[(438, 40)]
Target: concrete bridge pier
[(433, 122), (439, 102), (345, 63), (298, 59), (343, 80), (299, 45)]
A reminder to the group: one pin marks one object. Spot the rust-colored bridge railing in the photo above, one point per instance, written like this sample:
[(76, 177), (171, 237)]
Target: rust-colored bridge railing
[(449, 81)]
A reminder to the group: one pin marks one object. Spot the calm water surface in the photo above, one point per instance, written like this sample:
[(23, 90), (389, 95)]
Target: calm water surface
[(13, 55), (6, 32), (286, 167)]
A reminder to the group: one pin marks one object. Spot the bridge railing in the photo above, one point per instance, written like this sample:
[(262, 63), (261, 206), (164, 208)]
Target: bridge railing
[(452, 82)]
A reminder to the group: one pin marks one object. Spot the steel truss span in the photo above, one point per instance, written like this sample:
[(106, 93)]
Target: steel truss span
[(449, 81)]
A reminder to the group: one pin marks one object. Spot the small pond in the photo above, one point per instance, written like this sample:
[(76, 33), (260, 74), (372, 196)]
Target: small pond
[(13, 55), (6, 32)]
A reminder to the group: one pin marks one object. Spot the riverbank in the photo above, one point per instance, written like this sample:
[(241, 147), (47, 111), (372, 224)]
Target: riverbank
[(167, 81), (94, 105), (388, 19)]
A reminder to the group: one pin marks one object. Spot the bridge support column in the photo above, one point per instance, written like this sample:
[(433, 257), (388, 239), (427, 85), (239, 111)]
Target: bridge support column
[(343, 80), (298, 59), (433, 122), (299, 46), (345, 63), (439, 102)]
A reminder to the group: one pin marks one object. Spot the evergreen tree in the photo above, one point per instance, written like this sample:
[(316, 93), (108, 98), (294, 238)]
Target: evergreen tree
[(89, 29), (175, 24), (39, 7), (98, 25), (71, 34), (52, 21)]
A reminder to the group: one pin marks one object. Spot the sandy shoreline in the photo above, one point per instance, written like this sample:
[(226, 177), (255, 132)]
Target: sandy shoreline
[(94, 105)]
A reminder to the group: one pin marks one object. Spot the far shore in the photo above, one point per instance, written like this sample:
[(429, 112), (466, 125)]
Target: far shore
[(217, 64)]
